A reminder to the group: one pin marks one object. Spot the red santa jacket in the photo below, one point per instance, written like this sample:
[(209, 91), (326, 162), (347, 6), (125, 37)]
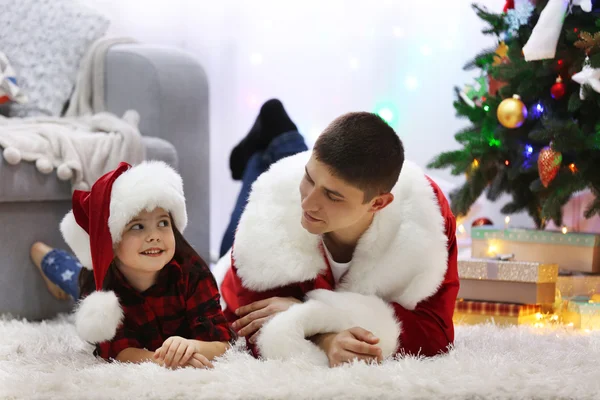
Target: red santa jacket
[(402, 284)]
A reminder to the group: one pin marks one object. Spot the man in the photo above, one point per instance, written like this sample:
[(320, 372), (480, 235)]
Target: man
[(361, 264)]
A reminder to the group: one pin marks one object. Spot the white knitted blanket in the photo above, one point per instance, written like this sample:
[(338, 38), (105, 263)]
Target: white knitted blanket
[(82, 149), (88, 96)]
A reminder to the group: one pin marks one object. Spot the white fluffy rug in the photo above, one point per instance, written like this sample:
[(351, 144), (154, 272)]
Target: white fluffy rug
[(47, 361)]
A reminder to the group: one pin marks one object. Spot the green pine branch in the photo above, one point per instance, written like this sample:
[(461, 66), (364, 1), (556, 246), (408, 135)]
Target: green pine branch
[(481, 60), (496, 22), (499, 185), (534, 211), (562, 188), (458, 160), (593, 209), (507, 158), (462, 199), (468, 135)]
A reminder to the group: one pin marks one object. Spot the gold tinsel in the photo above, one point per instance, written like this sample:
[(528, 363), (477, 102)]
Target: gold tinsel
[(588, 41)]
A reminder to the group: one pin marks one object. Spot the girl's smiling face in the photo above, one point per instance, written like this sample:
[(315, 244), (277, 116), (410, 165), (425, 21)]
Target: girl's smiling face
[(148, 242)]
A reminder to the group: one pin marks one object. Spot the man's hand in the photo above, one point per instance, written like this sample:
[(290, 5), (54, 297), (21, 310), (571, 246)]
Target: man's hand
[(254, 315), (352, 344), (177, 351)]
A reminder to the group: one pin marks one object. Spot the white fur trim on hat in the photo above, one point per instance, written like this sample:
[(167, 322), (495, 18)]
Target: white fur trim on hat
[(77, 239), (146, 186), (98, 316)]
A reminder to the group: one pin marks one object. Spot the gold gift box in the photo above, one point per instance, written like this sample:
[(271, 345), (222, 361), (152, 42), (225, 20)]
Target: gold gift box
[(578, 285), (506, 291), (474, 319), (571, 251), (513, 271), (479, 312), (581, 314)]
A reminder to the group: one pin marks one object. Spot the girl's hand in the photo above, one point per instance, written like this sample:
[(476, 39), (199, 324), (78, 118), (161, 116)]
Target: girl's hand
[(176, 351), (199, 361)]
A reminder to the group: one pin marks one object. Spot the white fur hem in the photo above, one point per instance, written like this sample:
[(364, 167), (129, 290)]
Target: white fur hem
[(285, 336), (77, 239)]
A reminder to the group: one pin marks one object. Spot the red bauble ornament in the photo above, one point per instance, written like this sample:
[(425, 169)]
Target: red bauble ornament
[(558, 90), (510, 4), (482, 221), (549, 162)]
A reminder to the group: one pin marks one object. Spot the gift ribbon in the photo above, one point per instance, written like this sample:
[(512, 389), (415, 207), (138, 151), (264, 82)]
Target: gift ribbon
[(492, 270), (544, 37)]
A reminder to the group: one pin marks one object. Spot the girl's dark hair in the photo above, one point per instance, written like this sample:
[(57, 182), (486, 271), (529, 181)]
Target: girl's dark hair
[(87, 283), (183, 251)]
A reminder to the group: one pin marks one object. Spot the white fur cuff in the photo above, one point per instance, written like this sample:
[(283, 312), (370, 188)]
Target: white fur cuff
[(285, 336)]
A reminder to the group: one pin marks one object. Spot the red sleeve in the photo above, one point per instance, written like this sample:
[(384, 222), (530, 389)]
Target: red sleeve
[(236, 295), (124, 338), (203, 309), (428, 329)]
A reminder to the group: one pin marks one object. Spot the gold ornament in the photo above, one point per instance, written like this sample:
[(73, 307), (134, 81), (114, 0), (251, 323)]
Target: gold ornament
[(512, 112), (501, 54)]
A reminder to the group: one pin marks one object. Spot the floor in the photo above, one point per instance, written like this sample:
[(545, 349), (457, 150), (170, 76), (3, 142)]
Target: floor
[(48, 361)]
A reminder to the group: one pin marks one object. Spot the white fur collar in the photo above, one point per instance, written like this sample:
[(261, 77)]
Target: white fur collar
[(402, 257)]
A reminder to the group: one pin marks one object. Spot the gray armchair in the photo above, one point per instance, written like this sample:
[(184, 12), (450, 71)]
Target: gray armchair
[(169, 89)]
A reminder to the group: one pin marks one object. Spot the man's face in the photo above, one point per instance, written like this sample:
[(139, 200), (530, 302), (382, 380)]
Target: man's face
[(329, 204)]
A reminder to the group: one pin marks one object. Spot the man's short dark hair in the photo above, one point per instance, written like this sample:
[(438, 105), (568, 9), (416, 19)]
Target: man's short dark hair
[(363, 150)]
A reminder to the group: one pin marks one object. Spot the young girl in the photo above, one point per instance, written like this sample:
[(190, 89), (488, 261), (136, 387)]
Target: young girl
[(148, 295)]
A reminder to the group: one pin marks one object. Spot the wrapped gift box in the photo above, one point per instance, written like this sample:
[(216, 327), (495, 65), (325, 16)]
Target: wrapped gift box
[(479, 312), (514, 271), (582, 313), (508, 292), (571, 251), (578, 285), (590, 315)]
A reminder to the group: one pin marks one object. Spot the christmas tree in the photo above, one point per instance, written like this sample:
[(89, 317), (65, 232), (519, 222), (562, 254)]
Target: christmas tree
[(534, 112)]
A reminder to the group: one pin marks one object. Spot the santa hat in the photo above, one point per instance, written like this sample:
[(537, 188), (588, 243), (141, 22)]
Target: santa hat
[(95, 225)]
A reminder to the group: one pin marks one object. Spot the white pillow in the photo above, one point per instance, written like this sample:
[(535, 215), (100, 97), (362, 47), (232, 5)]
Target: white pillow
[(45, 41)]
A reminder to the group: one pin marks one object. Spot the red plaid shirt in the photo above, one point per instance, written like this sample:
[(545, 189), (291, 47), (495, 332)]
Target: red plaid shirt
[(184, 302)]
